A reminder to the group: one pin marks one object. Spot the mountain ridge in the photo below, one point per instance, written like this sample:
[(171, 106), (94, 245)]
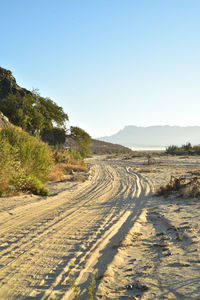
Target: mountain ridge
[(154, 136)]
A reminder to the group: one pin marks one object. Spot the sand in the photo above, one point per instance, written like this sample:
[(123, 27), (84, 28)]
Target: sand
[(142, 246)]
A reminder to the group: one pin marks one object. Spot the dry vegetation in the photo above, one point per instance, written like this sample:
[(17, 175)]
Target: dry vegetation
[(26, 163), (66, 164), (184, 187)]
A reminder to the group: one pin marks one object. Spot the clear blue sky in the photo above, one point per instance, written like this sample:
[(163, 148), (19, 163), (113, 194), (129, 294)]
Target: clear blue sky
[(108, 63)]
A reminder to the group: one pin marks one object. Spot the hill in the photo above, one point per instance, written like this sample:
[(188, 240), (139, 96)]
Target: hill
[(155, 136), (100, 147)]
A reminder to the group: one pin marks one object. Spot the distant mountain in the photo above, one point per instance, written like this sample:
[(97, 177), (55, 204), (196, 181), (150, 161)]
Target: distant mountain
[(155, 136)]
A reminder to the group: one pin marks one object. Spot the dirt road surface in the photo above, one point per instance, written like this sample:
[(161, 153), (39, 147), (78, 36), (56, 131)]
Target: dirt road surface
[(78, 228)]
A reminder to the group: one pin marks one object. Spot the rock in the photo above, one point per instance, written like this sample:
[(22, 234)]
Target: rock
[(4, 122), (8, 85)]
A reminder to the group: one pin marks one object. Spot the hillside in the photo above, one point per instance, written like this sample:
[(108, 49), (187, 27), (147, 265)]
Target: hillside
[(100, 147), (155, 136)]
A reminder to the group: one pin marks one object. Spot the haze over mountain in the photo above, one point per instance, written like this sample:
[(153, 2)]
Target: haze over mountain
[(155, 136)]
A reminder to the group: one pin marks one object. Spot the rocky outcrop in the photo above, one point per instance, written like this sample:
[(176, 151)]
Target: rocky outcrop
[(4, 122), (8, 85)]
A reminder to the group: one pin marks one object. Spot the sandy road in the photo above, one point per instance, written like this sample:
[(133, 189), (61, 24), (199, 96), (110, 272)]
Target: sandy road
[(73, 229)]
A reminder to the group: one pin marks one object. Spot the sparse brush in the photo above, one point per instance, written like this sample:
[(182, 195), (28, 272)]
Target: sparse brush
[(60, 170), (78, 177), (56, 174), (92, 286), (182, 186), (76, 289), (66, 161)]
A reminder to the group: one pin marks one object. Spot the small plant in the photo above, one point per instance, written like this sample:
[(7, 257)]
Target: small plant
[(76, 289), (178, 236), (92, 286)]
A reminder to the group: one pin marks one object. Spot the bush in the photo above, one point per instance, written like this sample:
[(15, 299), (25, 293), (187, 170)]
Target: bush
[(182, 186), (29, 183), (23, 158), (32, 155), (6, 168), (75, 154), (186, 149)]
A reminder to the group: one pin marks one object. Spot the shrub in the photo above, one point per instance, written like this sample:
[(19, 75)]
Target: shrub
[(182, 186), (33, 155), (6, 169), (75, 154), (186, 149), (29, 183), (25, 159)]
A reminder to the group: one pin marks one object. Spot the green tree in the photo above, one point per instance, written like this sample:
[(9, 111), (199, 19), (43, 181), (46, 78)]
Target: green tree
[(34, 113), (55, 136), (82, 139), (52, 113)]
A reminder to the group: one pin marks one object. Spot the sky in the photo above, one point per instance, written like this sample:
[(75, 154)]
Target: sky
[(108, 63)]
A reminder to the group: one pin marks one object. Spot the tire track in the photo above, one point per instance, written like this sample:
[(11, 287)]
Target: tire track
[(66, 231)]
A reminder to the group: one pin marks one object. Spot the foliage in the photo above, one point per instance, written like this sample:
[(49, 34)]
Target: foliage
[(186, 149), (54, 136), (33, 155), (25, 157), (66, 161), (33, 114), (75, 154), (29, 183), (6, 165), (92, 286), (82, 138), (51, 112), (73, 285)]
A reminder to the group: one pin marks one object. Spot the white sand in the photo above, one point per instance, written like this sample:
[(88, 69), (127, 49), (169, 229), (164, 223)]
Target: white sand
[(144, 247)]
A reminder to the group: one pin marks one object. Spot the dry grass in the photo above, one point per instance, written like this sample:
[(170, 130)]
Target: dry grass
[(149, 170), (56, 174), (182, 186), (78, 177), (60, 170)]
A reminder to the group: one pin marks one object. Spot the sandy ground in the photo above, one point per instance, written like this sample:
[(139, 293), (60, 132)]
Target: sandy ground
[(142, 246)]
